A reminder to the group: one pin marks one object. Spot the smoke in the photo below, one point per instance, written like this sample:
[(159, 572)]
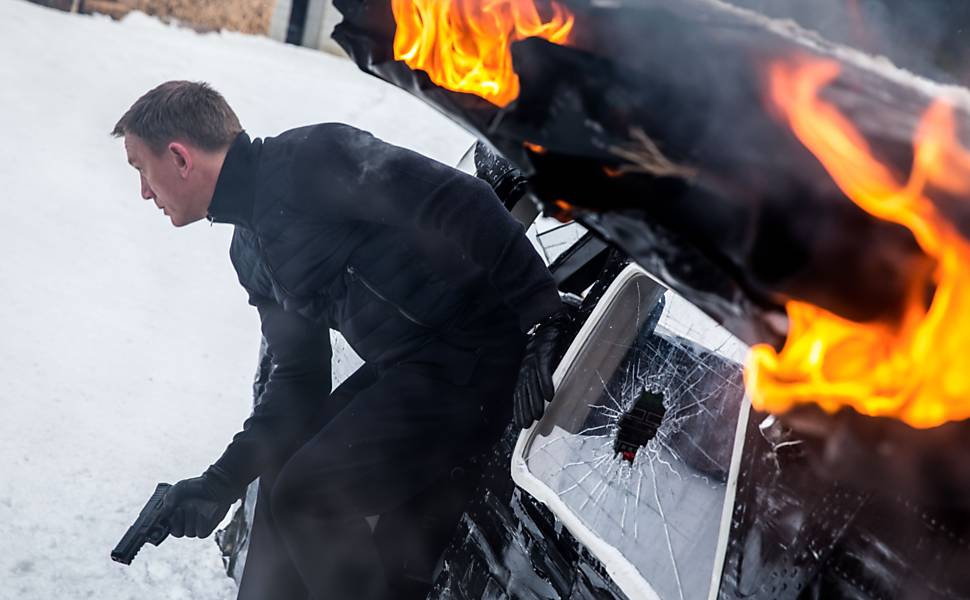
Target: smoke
[(928, 37)]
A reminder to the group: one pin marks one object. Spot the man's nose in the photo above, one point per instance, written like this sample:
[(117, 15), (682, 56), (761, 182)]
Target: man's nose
[(146, 191)]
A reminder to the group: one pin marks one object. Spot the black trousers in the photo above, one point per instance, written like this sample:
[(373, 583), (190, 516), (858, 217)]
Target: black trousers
[(394, 441)]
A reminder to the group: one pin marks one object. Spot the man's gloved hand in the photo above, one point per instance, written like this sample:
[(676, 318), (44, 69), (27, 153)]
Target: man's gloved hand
[(542, 353), (194, 507)]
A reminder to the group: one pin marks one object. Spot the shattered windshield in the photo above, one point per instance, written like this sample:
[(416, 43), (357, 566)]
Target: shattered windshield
[(637, 445)]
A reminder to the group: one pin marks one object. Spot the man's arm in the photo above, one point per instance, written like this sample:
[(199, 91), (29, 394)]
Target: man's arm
[(359, 177), (299, 381)]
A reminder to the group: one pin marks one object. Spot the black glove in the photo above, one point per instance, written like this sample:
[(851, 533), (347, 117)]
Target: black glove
[(194, 507), (504, 177), (542, 352)]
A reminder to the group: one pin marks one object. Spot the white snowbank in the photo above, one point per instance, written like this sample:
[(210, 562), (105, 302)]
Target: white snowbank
[(126, 346)]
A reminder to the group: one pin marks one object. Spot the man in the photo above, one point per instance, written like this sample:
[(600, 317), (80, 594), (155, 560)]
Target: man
[(424, 273)]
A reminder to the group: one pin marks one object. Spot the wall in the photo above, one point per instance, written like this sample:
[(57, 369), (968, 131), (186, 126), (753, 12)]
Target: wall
[(322, 17)]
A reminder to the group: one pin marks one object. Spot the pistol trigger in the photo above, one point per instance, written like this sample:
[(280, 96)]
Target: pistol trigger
[(156, 535)]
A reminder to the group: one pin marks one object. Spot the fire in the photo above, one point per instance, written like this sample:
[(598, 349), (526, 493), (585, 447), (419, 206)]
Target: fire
[(535, 148), (465, 45), (915, 370)]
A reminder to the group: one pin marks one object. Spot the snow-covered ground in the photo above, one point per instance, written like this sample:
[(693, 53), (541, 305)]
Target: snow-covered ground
[(126, 346)]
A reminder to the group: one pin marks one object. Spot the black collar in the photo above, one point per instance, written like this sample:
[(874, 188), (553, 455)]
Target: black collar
[(234, 196)]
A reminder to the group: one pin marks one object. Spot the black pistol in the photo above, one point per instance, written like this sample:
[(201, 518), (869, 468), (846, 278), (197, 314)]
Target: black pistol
[(147, 528)]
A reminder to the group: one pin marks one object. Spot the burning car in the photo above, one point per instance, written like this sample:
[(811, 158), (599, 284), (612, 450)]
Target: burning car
[(795, 242)]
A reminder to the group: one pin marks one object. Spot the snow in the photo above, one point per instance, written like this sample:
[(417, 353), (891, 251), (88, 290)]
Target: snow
[(127, 345)]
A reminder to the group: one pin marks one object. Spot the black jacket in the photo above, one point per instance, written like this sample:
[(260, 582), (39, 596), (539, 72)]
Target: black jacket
[(336, 229)]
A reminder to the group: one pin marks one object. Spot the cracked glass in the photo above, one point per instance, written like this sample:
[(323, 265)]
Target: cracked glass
[(637, 444)]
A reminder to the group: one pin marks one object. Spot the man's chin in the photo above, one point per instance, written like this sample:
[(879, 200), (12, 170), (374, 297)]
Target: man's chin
[(178, 221)]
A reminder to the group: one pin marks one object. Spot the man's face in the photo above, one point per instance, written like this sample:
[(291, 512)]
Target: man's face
[(167, 179)]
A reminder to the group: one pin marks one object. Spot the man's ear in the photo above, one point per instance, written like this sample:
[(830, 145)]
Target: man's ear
[(182, 157)]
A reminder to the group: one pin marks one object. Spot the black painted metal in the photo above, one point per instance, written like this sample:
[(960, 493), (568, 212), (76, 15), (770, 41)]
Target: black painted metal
[(800, 529), (297, 22), (509, 546)]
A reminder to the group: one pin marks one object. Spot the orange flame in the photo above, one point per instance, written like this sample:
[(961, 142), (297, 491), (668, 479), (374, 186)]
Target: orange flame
[(535, 148), (465, 45), (916, 370)]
